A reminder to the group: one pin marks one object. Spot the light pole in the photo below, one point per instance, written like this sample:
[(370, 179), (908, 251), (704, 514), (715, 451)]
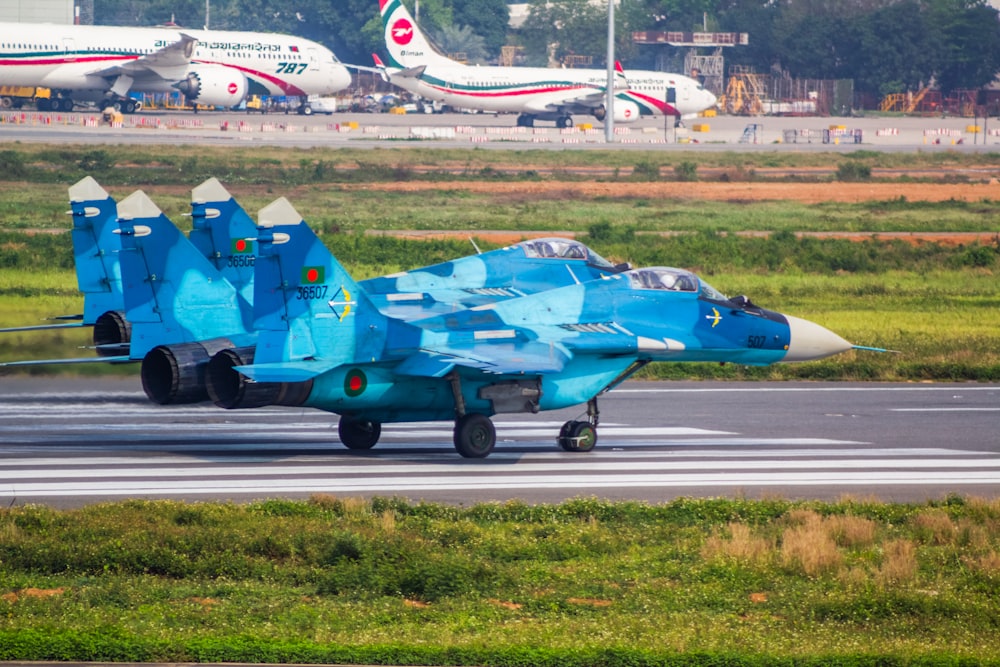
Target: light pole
[(609, 94)]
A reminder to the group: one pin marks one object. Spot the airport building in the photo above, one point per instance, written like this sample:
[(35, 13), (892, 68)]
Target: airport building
[(39, 11)]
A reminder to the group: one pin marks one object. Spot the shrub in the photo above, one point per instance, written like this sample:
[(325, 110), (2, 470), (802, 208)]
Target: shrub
[(686, 171), (853, 171)]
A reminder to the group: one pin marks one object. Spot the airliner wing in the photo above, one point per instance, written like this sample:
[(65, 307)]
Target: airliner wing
[(169, 63), (589, 98)]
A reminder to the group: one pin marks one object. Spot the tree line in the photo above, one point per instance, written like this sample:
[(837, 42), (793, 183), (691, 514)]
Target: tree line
[(884, 46)]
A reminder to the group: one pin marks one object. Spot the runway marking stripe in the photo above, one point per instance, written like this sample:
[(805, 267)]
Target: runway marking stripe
[(944, 409), (346, 459), (325, 485), (641, 468), (759, 390)]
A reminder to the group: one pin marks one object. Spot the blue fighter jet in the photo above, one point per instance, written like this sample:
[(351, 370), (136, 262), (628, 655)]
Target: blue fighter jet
[(524, 268), (219, 229), (321, 337), (95, 251), (177, 333)]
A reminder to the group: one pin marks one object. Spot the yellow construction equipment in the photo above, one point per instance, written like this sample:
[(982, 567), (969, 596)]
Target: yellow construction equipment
[(744, 93), (14, 97), (904, 102)]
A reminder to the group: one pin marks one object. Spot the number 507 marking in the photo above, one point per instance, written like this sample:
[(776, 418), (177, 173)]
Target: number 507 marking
[(292, 68)]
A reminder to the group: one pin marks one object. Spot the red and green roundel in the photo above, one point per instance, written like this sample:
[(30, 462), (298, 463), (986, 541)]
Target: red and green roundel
[(355, 382), (313, 275), (242, 246)]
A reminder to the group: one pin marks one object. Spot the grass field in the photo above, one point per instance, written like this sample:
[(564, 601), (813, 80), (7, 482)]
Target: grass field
[(720, 582), (583, 583)]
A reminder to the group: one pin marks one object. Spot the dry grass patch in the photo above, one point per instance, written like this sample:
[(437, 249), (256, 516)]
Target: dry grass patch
[(934, 527), (740, 545), (809, 549), (850, 531), (807, 545), (987, 565), (899, 563)]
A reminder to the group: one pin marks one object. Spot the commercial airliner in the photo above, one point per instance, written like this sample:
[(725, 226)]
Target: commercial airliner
[(104, 64), (536, 93)]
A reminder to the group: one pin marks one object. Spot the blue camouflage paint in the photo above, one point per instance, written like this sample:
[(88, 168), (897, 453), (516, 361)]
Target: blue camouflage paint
[(172, 293), (572, 342), (95, 249)]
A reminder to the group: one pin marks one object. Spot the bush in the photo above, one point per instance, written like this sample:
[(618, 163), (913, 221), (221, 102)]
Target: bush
[(686, 171), (853, 172)]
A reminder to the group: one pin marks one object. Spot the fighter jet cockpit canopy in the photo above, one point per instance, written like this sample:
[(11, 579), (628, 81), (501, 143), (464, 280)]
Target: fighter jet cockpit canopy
[(556, 248), (676, 280)]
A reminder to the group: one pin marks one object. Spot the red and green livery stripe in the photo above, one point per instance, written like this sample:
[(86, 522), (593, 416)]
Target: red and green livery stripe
[(242, 246), (355, 382), (313, 275)]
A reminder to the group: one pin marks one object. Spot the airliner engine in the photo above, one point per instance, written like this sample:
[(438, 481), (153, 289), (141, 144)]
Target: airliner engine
[(625, 112), (214, 86)]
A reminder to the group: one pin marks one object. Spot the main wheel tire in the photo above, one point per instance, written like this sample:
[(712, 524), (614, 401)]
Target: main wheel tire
[(577, 436), (475, 436), (358, 433)]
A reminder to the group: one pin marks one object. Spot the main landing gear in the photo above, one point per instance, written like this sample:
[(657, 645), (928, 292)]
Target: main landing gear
[(358, 433), (528, 120), (474, 435)]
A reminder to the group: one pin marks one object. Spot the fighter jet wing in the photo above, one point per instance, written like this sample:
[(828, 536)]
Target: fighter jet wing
[(44, 327), (81, 360), (286, 371), (528, 357)]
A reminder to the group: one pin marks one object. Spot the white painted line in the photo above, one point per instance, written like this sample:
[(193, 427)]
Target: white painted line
[(944, 409), (396, 485), (342, 457), (955, 389), (464, 469)]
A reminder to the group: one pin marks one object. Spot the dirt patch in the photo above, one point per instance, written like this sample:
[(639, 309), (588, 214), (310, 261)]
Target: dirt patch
[(809, 193), (501, 237)]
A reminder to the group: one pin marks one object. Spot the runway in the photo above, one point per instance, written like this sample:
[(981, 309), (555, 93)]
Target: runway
[(499, 132), (70, 442)]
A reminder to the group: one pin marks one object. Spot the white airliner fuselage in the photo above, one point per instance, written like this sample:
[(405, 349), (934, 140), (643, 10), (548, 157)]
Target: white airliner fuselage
[(211, 67), (533, 92)]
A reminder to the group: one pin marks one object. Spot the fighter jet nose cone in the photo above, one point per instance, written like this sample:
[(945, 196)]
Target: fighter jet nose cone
[(809, 341)]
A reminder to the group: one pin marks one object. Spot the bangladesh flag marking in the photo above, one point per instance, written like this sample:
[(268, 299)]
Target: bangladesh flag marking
[(355, 382), (312, 275), (242, 246)]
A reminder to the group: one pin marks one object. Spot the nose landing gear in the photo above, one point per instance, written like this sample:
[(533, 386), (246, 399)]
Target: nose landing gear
[(581, 436)]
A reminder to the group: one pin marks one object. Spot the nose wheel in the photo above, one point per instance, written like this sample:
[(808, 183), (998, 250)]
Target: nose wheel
[(581, 436), (577, 436)]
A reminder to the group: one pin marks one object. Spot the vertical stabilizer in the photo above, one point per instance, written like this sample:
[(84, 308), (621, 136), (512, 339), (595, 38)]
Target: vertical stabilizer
[(223, 233), (406, 44), (306, 305), (172, 292), (95, 249)]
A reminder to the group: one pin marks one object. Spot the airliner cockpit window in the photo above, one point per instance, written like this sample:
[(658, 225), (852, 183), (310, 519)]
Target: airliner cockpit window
[(660, 278)]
